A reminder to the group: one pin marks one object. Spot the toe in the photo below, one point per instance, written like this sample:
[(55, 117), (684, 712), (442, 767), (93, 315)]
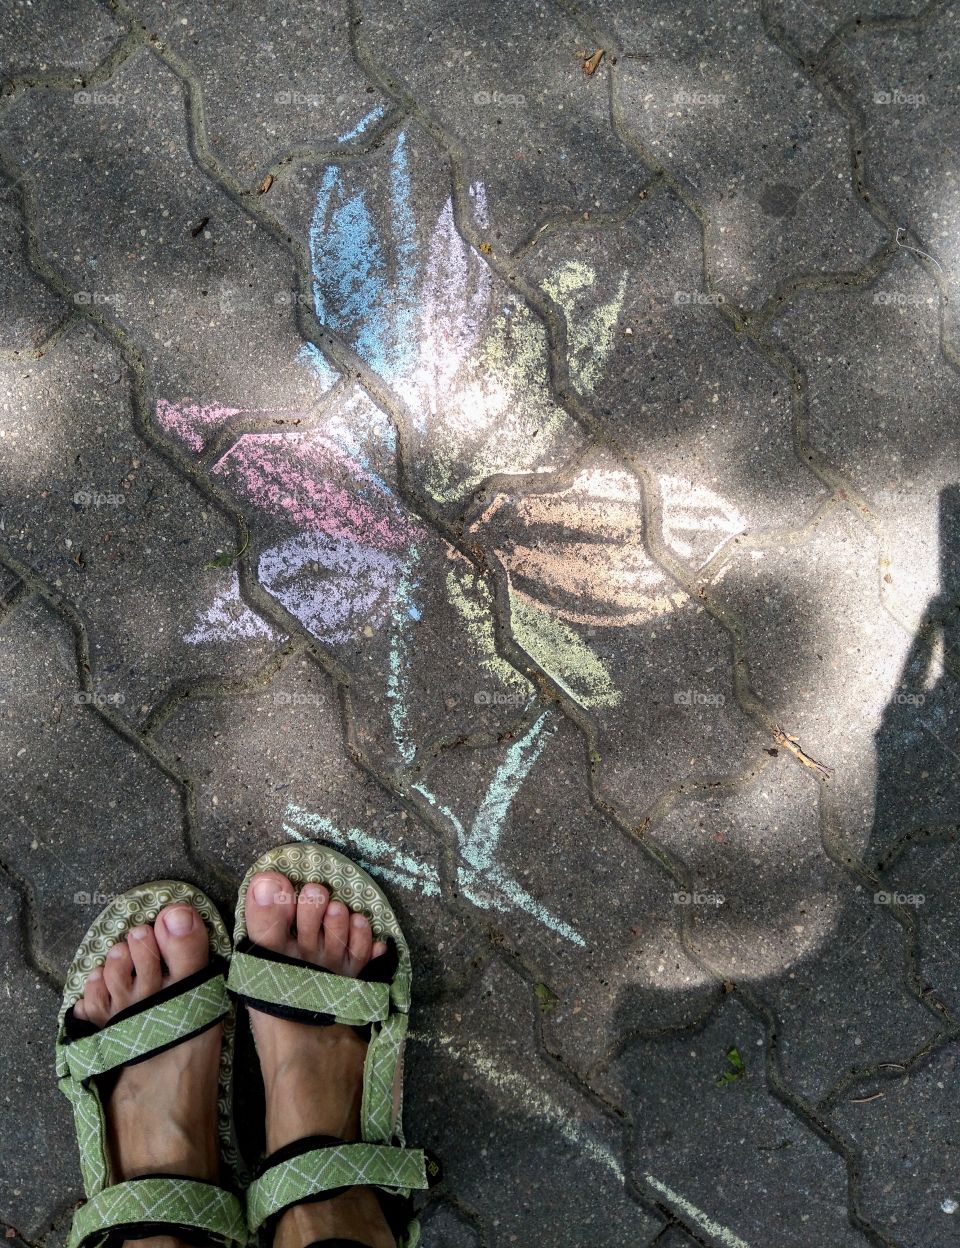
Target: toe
[(360, 945), (336, 926), (311, 906), (146, 961), (96, 999), (271, 908), (118, 976), (182, 940), (379, 949)]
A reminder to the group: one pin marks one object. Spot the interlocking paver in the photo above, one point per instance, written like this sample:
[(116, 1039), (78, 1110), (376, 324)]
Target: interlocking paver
[(807, 26), (28, 1016), (924, 880), (264, 89), (626, 643), (336, 547), (901, 82), (293, 729), (30, 311), (714, 1146), (710, 98), (904, 457), (117, 532), (152, 244), (46, 36), (445, 1227), (905, 1126), (533, 854), (637, 317), (86, 813), (904, 462), (821, 597), (510, 1104), (394, 279), (768, 907), (507, 85), (460, 525)]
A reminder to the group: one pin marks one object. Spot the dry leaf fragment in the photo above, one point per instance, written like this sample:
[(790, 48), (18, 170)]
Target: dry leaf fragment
[(265, 184), (591, 63)]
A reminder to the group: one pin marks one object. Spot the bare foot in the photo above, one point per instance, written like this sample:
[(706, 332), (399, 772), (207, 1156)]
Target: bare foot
[(161, 1113), (313, 1076)]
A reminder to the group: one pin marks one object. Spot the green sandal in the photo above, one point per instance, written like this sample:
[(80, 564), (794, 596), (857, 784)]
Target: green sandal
[(154, 1204), (320, 1166)]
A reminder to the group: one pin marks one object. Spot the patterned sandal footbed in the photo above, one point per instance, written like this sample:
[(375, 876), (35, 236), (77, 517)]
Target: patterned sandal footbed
[(128, 910), (384, 1007)]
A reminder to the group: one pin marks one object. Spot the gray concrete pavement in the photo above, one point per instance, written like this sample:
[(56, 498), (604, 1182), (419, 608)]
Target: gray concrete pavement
[(544, 485)]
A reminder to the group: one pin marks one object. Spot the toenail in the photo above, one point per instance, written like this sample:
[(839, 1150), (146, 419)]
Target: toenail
[(139, 933), (335, 909), (115, 951), (179, 921), (358, 920), (265, 891), (95, 976)]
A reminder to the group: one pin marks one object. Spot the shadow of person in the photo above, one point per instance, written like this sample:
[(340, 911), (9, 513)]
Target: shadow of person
[(918, 741)]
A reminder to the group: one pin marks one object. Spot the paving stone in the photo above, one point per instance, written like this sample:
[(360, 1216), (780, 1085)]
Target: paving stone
[(119, 534), (904, 461), (666, 373), (445, 1227), (924, 879), (395, 280), (808, 26), (28, 1017), (555, 1079), (717, 1149), (904, 457), (518, 1143), (535, 855), (902, 82), (727, 113), (149, 242), (906, 1139), (48, 35), (336, 547), (271, 767), (768, 907), (28, 310), (828, 661), (621, 639), (507, 85), (87, 815), (265, 89)]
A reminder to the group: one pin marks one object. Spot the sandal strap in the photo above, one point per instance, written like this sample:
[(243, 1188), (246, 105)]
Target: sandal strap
[(305, 989), (318, 1172), (380, 1116), (159, 1024), (153, 1204)]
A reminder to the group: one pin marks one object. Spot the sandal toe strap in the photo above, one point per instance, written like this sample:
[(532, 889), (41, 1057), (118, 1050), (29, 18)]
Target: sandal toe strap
[(172, 1016), (303, 989)]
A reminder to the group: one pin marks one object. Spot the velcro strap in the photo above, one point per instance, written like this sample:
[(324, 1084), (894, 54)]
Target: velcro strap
[(161, 1202), (307, 988), (319, 1170), (158, 1026)]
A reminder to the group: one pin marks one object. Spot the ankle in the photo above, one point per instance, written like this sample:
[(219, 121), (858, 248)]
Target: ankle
[(354, 1214)]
